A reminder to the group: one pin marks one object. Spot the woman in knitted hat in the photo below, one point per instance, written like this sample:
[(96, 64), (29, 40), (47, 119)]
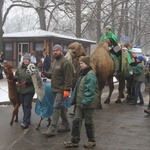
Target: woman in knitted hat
[(138, 74), (85, 97), (26, 90)]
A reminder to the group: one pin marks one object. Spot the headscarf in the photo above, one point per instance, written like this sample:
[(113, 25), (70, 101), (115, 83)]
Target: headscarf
[(109, 35)]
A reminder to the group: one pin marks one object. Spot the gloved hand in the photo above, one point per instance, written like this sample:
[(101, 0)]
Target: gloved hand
[(66, 94), (17, 84), (131, 72), (43, 74), (83, 106), (23, 84)]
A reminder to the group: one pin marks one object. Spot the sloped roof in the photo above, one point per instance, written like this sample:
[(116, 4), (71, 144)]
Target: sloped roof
[(42, 33)]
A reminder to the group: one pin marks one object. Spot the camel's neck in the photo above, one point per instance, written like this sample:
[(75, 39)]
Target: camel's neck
[(38, 86)]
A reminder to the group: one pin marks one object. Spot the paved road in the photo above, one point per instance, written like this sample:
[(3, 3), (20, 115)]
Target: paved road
[(117, 126)]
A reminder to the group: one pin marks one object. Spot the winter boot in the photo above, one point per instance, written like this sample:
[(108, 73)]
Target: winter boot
[(71, 144), (147, 111), (75, 131), (90, 144), (90, 134)]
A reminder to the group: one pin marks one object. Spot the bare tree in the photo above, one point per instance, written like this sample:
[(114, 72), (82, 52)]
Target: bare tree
[(1, 24)]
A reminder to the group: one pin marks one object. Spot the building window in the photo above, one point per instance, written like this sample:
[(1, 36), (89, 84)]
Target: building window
[(8, 51), (39, 47)]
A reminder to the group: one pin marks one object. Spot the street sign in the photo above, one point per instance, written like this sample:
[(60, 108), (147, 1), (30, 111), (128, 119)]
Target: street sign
[(125, 39)]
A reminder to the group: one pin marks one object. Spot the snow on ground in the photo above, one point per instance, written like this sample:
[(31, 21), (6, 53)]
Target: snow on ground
[(4, 90)]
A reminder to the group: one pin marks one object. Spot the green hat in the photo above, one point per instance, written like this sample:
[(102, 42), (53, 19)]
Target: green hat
[(108, 27), (86, 60)]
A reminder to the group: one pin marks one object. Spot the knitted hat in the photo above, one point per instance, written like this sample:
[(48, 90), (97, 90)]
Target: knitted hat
[(108, 27), (58, 47), (86, 60), (27, 56), (140, 58)]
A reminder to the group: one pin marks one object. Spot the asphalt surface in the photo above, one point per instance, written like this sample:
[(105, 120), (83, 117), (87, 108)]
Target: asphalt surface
[(117, 127)]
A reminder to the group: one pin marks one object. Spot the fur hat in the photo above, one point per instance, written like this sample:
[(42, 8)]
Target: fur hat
[(58, 47), (27, 56), (140, 58), (108, 27), (86, 60)]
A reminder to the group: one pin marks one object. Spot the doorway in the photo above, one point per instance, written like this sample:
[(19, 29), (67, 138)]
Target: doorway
[(22, 49)]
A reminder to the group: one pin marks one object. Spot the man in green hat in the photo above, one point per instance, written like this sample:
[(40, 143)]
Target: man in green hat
[(109, 35), (115, 53)]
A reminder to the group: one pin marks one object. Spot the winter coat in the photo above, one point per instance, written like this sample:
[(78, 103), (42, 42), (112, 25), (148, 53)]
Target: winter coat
[(147, 75), (86, 91), (46, 63), (61, 75), (138, 73), (22, 77), (130, 68), (2, 58)]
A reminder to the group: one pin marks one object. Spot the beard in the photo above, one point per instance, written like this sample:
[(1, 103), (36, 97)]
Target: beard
[(56, 56)]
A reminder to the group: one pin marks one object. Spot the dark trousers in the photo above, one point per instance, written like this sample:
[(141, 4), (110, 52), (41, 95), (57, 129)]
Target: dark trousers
[(1, 74), (138, 92), (26, 100), (87, 115), (130, 89)]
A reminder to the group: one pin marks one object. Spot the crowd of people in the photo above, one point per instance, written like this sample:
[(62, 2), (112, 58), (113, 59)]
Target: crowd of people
[(84, 85)]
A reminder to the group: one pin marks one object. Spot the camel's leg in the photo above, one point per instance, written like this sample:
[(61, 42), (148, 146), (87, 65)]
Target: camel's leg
[(120, 89), (148, 107), (39, 124), (49, 121), (16, 109), (14, 112), (111, 88)]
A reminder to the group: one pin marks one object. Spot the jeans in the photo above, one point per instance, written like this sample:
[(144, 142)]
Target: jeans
[(138, 92), (26, 100)]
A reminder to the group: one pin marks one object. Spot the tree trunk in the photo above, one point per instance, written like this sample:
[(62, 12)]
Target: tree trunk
[(41, 13), (78, 18), (1, 24)]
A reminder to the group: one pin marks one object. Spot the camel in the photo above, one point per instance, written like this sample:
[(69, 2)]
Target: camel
[(103, 66), (12, 92)]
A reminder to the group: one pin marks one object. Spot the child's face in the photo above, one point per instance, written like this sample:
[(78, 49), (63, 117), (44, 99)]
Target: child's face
[(83, 65)]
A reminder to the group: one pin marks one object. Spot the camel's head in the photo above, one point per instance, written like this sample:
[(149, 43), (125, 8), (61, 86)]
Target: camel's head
[(8, 71), (74, 50), (31, 69)]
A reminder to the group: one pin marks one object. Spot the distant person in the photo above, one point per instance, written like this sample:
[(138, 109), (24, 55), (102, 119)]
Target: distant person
[(21, 59), (46, 61), (26, 90), (1, 57), (1, 64), (147, 75), (138, 74), (130, 80), (33, 58)]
